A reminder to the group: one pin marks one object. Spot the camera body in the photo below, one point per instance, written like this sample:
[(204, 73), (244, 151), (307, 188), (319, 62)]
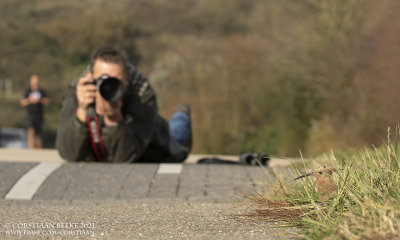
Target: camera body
[(110, 88)]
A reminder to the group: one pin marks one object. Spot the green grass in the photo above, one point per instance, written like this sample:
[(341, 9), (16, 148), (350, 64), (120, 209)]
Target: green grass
[(366, 206)]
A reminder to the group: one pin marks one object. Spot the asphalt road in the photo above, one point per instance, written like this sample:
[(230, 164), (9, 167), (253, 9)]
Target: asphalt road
[(135, 220), (91, 181), (131, 201)]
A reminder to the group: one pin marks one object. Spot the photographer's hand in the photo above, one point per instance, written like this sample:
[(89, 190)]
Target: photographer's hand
[(86, 95)]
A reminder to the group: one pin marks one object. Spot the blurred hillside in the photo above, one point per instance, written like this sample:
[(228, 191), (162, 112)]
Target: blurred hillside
[(270, 76)]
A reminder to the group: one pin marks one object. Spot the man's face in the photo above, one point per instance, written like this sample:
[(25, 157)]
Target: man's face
[(34, 82), (115, 70)]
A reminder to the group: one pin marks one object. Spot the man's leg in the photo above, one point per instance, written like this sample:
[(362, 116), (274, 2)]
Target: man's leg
[(31, 137), (38, 123), (39, 141), (180, 126)]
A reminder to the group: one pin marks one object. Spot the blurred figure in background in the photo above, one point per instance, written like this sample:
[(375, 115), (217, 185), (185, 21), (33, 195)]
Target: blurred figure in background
[(34, 99)]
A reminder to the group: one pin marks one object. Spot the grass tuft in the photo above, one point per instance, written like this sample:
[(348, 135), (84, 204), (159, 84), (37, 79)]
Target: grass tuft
[(365, 206)]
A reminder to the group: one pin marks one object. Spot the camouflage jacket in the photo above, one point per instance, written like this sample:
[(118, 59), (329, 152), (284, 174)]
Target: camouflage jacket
[(142, 135)]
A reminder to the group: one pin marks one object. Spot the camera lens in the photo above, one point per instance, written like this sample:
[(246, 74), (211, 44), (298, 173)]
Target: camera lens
[(110, 88)]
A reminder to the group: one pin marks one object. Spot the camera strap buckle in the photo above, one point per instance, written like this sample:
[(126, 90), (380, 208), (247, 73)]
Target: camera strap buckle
[(95, 135)]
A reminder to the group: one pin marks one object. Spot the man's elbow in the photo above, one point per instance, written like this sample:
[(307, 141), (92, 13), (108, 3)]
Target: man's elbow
[(66, 156), (66, 153), (46, 101), (22, 103)]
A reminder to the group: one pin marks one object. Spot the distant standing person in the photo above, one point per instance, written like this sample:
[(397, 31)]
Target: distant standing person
[(34, 99)]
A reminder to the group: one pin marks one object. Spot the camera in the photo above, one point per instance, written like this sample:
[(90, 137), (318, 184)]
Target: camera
[(110, 88), (254, 158)]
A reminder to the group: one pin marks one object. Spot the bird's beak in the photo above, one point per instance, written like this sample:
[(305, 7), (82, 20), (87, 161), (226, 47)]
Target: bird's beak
[(306, 175)]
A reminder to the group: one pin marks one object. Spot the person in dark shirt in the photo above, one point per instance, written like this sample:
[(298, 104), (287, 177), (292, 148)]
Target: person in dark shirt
[(34, 99)]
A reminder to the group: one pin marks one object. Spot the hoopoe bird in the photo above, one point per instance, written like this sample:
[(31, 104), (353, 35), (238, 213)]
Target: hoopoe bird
[(323, 180)]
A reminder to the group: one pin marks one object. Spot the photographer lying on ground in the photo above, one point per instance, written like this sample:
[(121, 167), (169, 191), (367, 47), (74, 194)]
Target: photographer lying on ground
[(110, 114)]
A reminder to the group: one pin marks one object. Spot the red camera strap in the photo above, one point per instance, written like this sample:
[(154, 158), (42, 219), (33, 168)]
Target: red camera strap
[(95, 137)]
